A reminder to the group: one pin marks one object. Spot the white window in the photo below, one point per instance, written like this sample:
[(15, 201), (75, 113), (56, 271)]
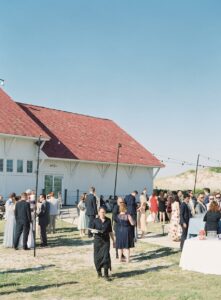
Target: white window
[(19, 166), (29, 166), (9, 165)]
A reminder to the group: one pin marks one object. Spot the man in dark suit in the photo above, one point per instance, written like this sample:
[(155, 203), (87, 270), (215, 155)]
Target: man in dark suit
[(23, 220), (185, 215), (44, 219), (130, 201), (91, 209)]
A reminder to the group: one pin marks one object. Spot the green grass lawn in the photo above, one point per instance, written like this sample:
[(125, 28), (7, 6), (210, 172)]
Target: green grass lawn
[(65, 271)]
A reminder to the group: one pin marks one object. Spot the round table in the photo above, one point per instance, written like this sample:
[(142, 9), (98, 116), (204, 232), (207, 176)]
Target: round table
[(202, 256)]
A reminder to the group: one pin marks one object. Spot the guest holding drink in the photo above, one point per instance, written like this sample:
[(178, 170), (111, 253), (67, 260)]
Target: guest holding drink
[(102, 234)]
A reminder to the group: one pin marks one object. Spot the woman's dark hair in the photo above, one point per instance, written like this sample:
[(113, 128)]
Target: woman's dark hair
[(175, 198), (155, 193), (43, 196)]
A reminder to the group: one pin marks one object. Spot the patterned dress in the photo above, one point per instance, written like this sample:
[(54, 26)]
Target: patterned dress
[(175, 229)]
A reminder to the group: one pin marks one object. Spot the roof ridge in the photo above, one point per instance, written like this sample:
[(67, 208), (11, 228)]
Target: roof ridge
[(69, 112)]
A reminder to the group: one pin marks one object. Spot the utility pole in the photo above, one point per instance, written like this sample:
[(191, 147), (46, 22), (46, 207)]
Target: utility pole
[(38, 143), (196, 173), (118, 154)]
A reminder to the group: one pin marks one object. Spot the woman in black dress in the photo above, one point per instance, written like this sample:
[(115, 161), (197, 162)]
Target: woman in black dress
[(115, 213), (162, 198), (124, 232), (102, 233), (212, 218)]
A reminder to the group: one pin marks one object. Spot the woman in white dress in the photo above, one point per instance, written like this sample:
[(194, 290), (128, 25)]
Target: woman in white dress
[(142, 225), (8, 241), (83, 218)]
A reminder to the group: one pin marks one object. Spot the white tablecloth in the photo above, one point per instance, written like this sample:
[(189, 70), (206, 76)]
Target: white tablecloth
[(202, 256)]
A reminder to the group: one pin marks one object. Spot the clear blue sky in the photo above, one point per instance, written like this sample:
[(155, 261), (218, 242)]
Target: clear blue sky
[(152, 66)]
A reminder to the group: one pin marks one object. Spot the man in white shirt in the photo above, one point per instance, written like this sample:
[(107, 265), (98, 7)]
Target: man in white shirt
[(54, 209)]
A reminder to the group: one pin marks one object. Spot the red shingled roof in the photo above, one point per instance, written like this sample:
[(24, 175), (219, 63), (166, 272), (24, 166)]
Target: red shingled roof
[(14, 121), (75, 136)]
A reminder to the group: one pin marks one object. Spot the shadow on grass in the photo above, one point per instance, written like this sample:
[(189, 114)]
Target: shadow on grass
[(8, 285), (66, 229), (67, 237), (68, 242), (139, 272), (156, 235), (159, 253), (32, 289), (18, 271)]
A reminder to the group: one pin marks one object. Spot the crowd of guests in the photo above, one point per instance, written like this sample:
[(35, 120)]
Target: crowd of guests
[(178, 207), (129, 214), (20, 219)]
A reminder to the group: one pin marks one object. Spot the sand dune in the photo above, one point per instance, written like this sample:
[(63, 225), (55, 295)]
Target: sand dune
[(208, 177)]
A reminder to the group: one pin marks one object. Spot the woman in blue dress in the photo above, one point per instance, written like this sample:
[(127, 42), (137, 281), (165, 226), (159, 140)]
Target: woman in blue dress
[(124, 232)]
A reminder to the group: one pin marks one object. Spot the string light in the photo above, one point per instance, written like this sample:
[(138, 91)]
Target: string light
[(171, 160)]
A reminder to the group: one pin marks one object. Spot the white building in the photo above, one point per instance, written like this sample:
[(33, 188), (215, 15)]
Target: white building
[(77, 152)]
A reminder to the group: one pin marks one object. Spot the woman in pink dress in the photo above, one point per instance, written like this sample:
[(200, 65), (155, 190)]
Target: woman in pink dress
[(154, 206)]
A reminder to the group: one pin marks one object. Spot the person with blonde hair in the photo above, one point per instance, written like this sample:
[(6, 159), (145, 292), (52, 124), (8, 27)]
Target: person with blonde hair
[(124, 232)]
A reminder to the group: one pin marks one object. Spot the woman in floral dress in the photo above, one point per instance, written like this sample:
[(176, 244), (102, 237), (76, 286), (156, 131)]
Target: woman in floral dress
[(175, 230)]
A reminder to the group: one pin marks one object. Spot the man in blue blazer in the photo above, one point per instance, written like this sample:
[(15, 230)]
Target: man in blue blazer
[(185, 215)]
